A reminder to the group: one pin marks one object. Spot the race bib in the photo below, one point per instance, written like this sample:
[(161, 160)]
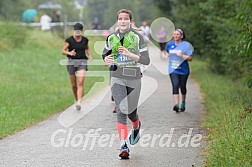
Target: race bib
[(123, 60), (175, 64)]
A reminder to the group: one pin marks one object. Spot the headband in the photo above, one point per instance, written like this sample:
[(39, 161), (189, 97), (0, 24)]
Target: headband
[(180, 31)]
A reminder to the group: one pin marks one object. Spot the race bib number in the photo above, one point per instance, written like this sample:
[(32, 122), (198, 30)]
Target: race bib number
[(175, 64), (124, 60)]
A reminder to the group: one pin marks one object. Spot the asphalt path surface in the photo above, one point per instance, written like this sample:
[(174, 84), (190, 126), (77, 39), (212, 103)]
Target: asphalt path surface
[(89, 137)]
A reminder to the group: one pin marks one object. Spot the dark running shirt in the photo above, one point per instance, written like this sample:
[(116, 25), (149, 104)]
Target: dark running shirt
[(80, 47)]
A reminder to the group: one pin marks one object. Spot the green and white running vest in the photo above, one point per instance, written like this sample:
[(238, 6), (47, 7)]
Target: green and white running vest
[(131, 42)]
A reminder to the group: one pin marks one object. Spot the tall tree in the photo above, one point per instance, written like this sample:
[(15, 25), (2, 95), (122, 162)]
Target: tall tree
[(221, 32), (96, 8), (147, 10), (165, 6)]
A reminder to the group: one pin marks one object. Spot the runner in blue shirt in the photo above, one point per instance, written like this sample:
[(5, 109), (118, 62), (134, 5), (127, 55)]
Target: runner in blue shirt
[(179, 53)]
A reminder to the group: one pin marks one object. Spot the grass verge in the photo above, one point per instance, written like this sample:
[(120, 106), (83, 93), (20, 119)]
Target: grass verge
[(228, 118), (34, 86)]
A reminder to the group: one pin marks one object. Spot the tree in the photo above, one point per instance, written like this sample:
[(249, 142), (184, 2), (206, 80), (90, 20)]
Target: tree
[(147, 11), (165, 6), (96, 8), (220, 31)]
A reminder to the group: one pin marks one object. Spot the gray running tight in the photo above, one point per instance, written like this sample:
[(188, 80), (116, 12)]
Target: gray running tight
[(126, 94)]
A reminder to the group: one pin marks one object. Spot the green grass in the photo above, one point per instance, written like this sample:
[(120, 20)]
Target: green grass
[(34, 86), (228, 118)]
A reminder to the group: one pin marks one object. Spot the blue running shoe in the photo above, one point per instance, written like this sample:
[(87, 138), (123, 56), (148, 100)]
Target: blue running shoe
[(124, 152), (182, 108), (135, 136)]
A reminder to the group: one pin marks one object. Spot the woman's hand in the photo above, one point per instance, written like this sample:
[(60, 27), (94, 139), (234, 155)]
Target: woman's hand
[(179, 53), (72, 53), (166, 54), (124, 51), (109, 60), (90, 58)]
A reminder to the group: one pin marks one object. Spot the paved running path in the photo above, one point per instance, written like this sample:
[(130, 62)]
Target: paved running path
[(163, 143)]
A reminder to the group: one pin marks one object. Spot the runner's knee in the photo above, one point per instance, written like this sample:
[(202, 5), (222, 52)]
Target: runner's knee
[(121, 117), (133, 116)]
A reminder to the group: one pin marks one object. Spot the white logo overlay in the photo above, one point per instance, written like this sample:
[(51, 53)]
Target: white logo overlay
[(94, 137)]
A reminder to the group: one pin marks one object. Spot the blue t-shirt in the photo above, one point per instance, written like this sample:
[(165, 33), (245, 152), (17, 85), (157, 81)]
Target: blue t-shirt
[(176, 64)]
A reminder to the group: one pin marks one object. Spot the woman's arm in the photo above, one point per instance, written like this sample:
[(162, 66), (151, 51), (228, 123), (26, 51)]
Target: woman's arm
[(127, 53), (107, 53), (90, 58), (66, 52), (143, 59), (184, 56)]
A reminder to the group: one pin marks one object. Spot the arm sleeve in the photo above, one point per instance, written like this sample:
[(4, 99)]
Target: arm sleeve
[(107, 49), (143, 50), (67, 40)]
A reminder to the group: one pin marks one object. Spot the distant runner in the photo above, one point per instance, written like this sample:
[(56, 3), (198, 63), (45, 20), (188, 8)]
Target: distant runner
[(76, 48), (179, 52)]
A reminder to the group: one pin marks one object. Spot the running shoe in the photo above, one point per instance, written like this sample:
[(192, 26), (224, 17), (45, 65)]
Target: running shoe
[(78, 105), (135, 136), (124, 152), (115, 110), (182, 108), (176, 108)]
